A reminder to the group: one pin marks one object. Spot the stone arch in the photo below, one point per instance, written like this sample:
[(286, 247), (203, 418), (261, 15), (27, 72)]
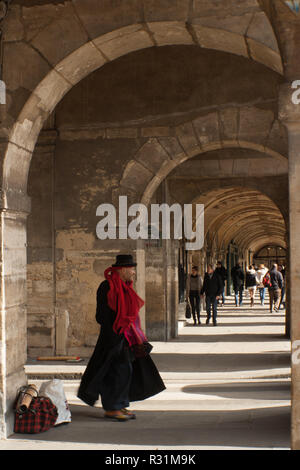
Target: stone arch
[(245, 128), (80, 57)]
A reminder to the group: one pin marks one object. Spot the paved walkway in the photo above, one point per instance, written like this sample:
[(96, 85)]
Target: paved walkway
[(228, 387)]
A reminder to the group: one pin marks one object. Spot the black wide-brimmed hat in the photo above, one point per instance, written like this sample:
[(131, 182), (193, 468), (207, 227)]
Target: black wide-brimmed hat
[(124, 261)]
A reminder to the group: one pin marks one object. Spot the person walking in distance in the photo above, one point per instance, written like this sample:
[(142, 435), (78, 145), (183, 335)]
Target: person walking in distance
[(260, 274), (238, 277), (281, 269), (212, 288), (251, 282), (222, 271), (120, 369), (193, 288), (276, 284)]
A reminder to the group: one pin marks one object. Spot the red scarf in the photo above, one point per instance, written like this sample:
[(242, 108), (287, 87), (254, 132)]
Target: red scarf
[(123, 299)]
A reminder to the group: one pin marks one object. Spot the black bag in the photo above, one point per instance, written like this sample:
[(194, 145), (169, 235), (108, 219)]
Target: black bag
[(188, 311), (142, 349)]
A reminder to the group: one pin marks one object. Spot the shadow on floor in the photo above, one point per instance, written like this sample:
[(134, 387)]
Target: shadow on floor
[(265, 427), (245, 390), (239, 314), (236, 324), (220, 362), (224, 338)]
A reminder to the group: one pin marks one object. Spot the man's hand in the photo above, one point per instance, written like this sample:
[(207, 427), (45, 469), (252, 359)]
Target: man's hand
[(218, 297)]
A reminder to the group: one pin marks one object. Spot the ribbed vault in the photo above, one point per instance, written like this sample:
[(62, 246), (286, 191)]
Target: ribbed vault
[(248, 217)]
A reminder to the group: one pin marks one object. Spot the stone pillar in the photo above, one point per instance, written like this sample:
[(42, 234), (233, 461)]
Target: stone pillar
[(141, 278), (171, 288), (290, 116), (13, 336)]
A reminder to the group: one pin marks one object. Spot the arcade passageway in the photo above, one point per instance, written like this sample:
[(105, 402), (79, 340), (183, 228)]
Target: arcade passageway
[(227, 387), (188, 102)]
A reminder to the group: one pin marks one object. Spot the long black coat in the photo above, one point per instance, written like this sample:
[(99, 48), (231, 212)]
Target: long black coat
[(110, 347), (212, 285), (238, 277)]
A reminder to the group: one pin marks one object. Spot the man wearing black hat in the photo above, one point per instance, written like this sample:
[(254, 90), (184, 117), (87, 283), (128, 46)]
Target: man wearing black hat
[(120, 369)]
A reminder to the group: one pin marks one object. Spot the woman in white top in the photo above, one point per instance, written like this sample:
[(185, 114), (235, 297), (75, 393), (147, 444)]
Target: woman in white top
[(261, 272)]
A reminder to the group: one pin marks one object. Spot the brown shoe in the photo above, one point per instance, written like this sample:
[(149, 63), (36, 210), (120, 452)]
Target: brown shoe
[(128, 413), (116, 416)]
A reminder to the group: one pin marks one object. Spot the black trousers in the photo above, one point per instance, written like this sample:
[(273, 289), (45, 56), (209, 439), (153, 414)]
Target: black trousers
[(115, 386), (195, 304)]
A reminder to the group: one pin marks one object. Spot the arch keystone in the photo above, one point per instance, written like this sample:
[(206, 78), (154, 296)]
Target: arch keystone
[(170, 33)]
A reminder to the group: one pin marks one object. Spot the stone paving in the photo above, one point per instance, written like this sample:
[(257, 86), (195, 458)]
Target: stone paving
[(228, 387)]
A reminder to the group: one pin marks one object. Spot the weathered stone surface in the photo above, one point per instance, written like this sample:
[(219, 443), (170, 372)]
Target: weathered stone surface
[(121, 133), (228, 124), (81, 134), (152, 155), (50, 91), (207, 128), (255, 125), (187, 137), (66, 32), (267, 166), (241, 167), (37, 19), (23, 138), (40, 321), (234, 24), (12, 383), (15, 338), (22, 54), (13, 28), (221, 40), (171, 145), (150, 189), (170, 33), (278, 139), (169, 10), (123, 41), (226, 167), (80, 63), (102, 16), (265, 55), (155, 131), (136, 176), (15, 260), (16, 172), (224, 8), (15, 290), (260, 30), (210, 168)]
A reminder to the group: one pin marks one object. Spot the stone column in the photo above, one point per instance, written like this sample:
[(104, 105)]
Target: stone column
[(287, 286), (290, 116), (141, 278), (13, 335)]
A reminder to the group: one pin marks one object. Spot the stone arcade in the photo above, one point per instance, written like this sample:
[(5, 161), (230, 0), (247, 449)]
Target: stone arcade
[(163, 101)]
